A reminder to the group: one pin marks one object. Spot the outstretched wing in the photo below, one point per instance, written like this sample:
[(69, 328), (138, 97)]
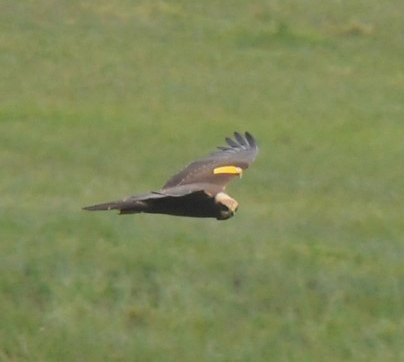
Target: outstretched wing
[(221, 166)]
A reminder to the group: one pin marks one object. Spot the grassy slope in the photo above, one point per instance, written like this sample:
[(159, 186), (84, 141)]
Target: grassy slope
[(100, 100)]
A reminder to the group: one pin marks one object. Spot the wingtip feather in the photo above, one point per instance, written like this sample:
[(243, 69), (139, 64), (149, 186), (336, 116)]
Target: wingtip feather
[(231, 142), (240, 139), (250, 139), (246, 140)]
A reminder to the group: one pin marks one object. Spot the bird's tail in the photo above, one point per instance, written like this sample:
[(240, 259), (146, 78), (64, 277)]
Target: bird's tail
[(124, 206), (115, 205)]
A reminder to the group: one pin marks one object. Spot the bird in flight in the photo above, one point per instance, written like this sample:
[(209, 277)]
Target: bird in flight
[(197, 190)]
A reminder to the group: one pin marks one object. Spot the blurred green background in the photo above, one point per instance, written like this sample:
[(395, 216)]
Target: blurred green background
[(104, 99)]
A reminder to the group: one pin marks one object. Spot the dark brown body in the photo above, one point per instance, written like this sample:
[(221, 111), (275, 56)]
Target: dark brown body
[(193, 205)]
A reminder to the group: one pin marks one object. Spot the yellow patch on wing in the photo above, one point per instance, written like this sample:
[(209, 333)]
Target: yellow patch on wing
[(232, 170)]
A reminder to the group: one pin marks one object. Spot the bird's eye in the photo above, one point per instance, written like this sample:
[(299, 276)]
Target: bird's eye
[(223, 207)]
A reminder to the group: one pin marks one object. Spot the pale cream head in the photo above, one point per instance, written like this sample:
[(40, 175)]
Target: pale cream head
[(230, 203)]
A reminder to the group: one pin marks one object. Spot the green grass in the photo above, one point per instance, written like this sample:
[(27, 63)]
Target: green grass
[(100, 100)]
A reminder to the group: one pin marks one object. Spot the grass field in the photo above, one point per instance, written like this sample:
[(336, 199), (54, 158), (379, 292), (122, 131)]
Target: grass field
[(103, 99)]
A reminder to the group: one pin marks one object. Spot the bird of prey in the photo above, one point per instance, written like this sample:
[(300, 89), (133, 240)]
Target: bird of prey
[(197, 190)]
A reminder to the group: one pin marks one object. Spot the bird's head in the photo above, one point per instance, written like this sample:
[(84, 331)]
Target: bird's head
[(227, 206)]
